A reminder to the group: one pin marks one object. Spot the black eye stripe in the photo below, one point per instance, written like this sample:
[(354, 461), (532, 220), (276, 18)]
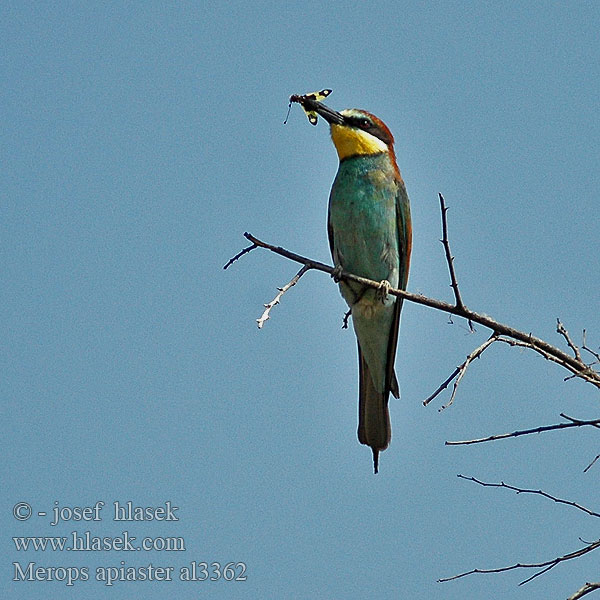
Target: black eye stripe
[(360, 122), (366, 125)]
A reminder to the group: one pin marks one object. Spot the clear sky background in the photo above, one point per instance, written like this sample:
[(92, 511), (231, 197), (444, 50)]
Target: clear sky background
[(140, 140)]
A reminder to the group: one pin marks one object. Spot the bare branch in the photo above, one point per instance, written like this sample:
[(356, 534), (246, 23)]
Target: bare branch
[(526, 491), (450, 258), (584, 590), (460, 371), (519, 338), (584, 346), (239, 255), (560, 328), (442, 386), (544, 566), (501, 436), (266, 314), (591, 464), (586, 372)]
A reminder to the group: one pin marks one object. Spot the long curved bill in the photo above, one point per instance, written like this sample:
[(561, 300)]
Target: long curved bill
[(313, 107)]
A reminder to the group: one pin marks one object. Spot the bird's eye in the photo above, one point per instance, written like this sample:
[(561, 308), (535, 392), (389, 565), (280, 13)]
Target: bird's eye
[(365, 123)]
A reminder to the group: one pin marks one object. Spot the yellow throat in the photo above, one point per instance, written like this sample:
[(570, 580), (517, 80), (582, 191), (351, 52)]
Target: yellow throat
[(350, 141)]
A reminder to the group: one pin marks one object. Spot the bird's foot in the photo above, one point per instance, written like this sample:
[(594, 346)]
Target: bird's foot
[(383, 290), (337, 273), (346, 317)]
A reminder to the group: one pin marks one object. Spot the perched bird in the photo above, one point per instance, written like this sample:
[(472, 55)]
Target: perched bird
[(370, 235)]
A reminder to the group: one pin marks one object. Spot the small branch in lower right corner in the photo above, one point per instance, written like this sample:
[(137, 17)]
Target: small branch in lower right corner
[(542, 566)]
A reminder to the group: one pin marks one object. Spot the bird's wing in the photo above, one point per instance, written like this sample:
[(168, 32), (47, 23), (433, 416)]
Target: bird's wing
[(404, 248), (404, 233), (330, 233)]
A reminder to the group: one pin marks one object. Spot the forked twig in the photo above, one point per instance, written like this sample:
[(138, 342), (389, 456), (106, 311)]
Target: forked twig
[(586, 372), (460, 371), (544, 566)]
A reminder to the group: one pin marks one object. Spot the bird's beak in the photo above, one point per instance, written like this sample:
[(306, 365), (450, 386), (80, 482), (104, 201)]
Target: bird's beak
[(331, 116), (310, 104)]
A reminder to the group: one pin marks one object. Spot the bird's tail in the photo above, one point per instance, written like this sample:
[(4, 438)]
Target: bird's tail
[(374, 427)]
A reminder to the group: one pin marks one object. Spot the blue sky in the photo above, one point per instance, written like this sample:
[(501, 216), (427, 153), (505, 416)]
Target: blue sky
[(140, 140)]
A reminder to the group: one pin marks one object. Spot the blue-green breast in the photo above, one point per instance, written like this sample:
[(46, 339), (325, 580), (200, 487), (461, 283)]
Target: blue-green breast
[(362, 218)]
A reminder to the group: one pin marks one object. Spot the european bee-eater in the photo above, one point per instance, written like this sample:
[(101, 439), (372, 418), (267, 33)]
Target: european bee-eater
[(370, 235)]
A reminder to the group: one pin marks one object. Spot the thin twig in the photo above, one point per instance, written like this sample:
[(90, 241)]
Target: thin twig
[(239, 255), (527, 491), (579, 421), (560, 328), (462, 369), (502, 436), (586, 372), (591, 464), (266, 314), (584, 346), (448, 253), (584, 590), (544, 566), (442, 386)]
